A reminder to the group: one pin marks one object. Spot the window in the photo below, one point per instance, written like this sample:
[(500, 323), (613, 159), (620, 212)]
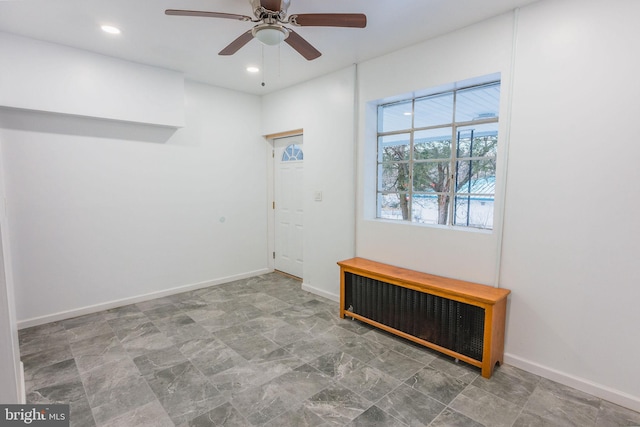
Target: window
[(437, 157), (292, 153)]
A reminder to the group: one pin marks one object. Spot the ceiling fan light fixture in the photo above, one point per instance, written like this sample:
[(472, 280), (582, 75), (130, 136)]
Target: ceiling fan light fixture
[(269, 34)]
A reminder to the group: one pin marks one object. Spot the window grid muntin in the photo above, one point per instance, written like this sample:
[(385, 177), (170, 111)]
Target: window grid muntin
[(453, 160)]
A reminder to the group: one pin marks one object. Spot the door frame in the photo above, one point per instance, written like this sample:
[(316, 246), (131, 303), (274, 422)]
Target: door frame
[(271, 235)]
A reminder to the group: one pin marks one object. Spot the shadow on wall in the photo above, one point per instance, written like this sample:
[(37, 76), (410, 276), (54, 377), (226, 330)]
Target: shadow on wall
[(68, 124)]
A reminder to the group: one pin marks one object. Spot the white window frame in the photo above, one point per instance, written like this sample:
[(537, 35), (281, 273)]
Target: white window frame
[(453, 160)]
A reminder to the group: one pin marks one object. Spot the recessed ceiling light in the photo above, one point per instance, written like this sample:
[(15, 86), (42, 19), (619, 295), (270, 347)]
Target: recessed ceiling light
[(408, 113), (110, 29), (253, 69)]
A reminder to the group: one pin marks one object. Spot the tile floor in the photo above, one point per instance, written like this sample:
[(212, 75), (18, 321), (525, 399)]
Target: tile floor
[(263, 352)]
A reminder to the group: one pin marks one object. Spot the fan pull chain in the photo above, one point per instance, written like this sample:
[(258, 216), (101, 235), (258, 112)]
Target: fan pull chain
[(279, 67), (262, 67)]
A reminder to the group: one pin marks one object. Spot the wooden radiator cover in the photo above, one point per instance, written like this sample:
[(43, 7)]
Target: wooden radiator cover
[(461, 319)]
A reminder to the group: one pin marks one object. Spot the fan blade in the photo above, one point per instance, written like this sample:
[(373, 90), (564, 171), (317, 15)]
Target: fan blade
[(235, 45), (301, 45), (272, 5), (177, 12), (352, 20)]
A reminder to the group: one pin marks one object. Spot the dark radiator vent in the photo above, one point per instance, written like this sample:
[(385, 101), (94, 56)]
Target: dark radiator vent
[(450, 324)]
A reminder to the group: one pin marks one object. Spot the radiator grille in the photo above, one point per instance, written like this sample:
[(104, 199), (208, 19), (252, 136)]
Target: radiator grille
[(450, 324)]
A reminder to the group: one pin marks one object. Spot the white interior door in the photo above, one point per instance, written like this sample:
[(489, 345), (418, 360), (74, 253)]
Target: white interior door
[(288, 166)]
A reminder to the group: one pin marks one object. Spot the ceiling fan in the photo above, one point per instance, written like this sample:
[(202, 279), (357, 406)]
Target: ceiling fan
[(271, 15)]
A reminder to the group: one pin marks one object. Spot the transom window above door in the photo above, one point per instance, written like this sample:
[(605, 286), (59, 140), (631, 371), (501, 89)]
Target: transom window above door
[(292, 153)]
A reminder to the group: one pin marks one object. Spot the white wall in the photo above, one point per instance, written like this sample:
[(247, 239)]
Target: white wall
[(471, 52), (43, 76), (571, 238), (100, 216), (324, 109), (11, 385)]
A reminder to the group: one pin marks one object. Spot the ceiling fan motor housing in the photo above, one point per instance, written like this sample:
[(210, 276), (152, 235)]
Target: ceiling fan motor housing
[(261, 8)]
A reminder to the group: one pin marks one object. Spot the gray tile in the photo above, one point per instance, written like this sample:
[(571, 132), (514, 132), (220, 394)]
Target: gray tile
[(309, 349), (215, 295), (436, 384), (410, 406), (57, 373), (270, 304), (129, 393), (396, 364), (65, 393), (369, 382), (465, 373), (27, 335), (152, 304), (555, 404), (222, 322), (252, 347), (83, 320), (336, 364), (375, 417), (405, 347), (210, 356), (244, 376), (80, 414), (235, 332), (98, 350), (611, 415), (336, 405), (509, 384), (150, 415), (224, 415), (53, 354), (190, 303), (354, 326), (121, 312), (100, 381), (298, 417), (88, 330), (362, 348), (278, 357), (127, 322), (451, 418), (485, 408), (185, 333), (205, 313), (149, 340), (134, 331), (173, 321), (159, 360), (262, 403), (184, 392), (311, 325), (285, 334), (162, 311), (337, 336), (38, 340), (302, 382)]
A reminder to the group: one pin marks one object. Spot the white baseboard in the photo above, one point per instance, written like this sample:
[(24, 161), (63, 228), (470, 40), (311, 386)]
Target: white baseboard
[(582, 384), (68, 314), (321, 292)]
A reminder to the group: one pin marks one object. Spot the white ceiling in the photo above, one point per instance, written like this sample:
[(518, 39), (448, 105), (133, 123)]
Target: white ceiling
[(191, 44)]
